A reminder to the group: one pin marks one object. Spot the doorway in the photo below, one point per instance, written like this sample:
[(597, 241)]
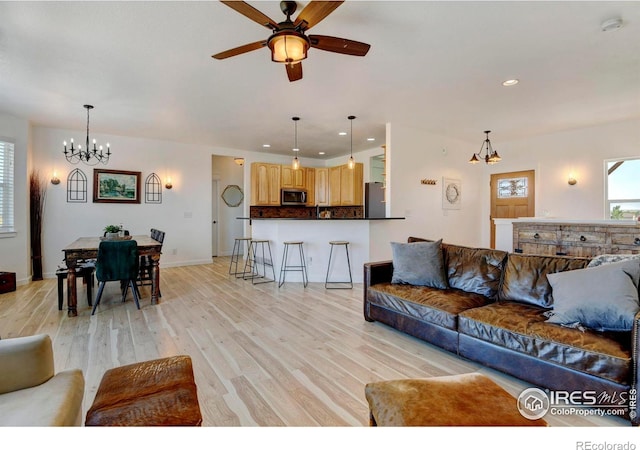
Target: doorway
[(215, 210), (512, 196)]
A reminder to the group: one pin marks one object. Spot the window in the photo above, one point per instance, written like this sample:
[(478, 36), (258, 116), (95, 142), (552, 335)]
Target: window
[(6, 187), (623, 188)]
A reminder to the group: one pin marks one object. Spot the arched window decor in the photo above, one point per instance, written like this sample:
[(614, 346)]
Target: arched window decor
[(76, 187), (152, 189)]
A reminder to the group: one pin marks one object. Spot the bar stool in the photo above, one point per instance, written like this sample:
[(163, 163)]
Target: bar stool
[(350, 282), (257, 257), (235, 256), (286, 267)]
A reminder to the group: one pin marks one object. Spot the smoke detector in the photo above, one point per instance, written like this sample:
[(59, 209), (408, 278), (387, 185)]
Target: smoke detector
[(611, 24)]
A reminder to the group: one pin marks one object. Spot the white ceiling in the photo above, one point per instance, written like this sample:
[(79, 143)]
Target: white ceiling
[(437, 66)]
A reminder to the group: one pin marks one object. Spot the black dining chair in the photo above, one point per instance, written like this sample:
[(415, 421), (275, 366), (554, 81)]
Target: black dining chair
[(117, 261), (146, 264)]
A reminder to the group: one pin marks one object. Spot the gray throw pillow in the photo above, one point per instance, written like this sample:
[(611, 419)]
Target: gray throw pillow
[(419, 264), (603, 298)]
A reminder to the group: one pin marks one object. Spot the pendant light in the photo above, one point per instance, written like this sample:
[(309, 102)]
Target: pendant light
[(490, 156), (352, 162), (295, 164)]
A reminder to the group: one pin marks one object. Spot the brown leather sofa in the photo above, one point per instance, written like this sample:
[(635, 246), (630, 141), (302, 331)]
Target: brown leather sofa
[(494, 312)]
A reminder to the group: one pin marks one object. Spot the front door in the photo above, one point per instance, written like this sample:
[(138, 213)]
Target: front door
[(512, 196)]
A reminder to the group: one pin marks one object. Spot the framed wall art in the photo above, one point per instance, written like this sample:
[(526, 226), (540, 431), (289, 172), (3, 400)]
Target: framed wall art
[(451, 193), (116, 186)]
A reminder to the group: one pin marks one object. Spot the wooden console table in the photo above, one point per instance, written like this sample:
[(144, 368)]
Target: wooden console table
[(586, 239), (87, 248)]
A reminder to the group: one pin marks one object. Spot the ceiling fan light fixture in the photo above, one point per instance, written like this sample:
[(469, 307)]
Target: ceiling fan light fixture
[(288, 47)]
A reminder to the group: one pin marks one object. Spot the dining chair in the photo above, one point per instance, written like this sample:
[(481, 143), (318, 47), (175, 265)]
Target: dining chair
[(117, 261), (146, 264)]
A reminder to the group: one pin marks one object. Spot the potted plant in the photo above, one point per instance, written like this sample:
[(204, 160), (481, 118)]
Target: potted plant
[(112, 231)]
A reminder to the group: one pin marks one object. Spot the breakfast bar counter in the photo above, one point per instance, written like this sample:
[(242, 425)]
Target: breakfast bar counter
[(316, 233)]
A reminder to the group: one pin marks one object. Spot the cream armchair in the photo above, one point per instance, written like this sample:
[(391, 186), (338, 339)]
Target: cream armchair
[(31, 393)]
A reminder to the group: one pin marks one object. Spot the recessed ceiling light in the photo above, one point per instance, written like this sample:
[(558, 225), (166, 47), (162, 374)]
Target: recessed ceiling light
[(342, 133), (266, 145), (320, 153), (611, 24), (512, 82), (296, 149), (371, 139)]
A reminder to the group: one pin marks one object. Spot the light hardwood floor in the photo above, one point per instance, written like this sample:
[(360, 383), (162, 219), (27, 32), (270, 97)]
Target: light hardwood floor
[(262, 355)]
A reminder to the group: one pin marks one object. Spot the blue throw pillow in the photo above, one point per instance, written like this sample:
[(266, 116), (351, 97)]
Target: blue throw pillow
[(419, 264), (603, 298)]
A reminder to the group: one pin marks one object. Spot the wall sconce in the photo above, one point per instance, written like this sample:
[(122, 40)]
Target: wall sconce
[(572, 180), (168, 184), (239, 161), (54, 178)]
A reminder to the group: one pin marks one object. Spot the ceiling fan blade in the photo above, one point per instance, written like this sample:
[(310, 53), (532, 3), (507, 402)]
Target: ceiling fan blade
[(240, 50), (339, 45), (314, 12), (249, 11), (294, 71)]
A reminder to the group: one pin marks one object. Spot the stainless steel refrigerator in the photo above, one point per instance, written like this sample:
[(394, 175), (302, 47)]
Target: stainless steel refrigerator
[(374, 200)]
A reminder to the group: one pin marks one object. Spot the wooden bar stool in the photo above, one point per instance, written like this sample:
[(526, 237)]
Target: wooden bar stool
[(257, 256), (339, 284), (286, 267), (236, 254)]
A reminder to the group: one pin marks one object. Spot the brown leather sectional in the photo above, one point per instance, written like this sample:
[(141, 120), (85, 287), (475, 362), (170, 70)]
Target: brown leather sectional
[(494, 313)]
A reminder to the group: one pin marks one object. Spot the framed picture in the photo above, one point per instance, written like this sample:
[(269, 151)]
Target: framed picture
[(451, 193), (116, 186)]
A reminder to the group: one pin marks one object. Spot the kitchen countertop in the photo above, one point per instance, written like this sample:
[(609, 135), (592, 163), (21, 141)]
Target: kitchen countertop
[(319, 219)]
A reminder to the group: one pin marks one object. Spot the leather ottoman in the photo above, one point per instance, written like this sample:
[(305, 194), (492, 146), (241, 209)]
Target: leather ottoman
[(458, 400), (159, 392)]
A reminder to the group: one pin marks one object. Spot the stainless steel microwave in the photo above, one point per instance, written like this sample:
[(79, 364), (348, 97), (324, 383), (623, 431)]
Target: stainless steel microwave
[(293, 197)]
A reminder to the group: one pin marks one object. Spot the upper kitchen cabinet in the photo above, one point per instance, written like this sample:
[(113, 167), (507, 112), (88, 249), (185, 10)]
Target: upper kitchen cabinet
[(292, 178), (265, 184), (345, 185)]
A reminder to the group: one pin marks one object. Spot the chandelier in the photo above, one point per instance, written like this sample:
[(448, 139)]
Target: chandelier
[(490, 157), (90, 156)]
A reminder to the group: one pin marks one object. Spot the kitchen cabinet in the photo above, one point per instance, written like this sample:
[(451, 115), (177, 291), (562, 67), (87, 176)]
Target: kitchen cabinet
[(575, 239), (322, 186), (345, 185), (310, 185), (292, 178), (265, 184)]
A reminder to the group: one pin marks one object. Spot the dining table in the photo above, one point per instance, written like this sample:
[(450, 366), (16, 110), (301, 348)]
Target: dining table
[(86, 248)]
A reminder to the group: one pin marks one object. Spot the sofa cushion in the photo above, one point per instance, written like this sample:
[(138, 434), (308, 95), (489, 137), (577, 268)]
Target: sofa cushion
[(523, 328), (418, 264), (604, 298), (438, 306), (476, 270), (525, 277), (470, 269), (610, 258)]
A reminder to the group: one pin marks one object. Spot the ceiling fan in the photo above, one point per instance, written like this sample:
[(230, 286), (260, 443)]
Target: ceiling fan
[(288, 42)]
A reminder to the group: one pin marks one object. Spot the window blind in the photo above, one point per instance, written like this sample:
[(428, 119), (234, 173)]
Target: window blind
[(6, 187)]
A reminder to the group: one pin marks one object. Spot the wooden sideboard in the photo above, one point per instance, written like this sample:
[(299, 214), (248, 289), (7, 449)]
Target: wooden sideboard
[(575, 239)]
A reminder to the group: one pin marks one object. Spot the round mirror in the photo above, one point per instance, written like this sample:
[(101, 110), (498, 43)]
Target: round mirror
[(232, 195)]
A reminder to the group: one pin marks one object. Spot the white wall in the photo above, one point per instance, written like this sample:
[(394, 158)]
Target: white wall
[(15, 253), (413, 155)]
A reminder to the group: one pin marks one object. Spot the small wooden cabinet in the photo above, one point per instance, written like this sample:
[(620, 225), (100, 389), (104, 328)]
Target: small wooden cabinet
[(265, 184), (310, 185), (292, 178), (575, 239)]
